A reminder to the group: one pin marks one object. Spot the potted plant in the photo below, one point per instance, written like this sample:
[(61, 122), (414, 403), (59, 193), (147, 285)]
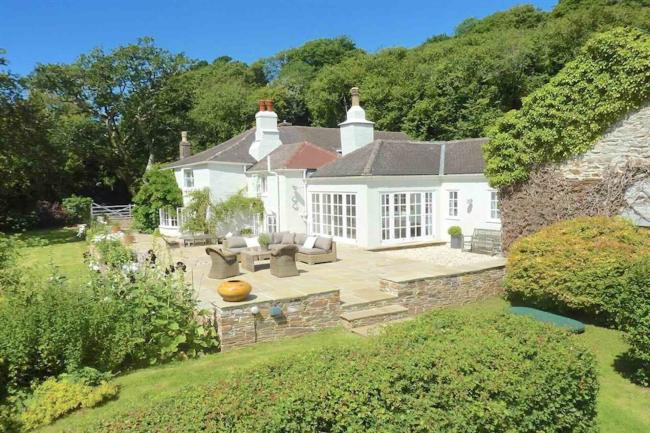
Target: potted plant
[(456, 234), (128, 238), (264, 240), (246, 231), (115, 228)]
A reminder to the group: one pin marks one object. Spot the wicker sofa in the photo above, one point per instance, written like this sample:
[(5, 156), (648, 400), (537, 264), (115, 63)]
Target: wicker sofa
[(324, 250)]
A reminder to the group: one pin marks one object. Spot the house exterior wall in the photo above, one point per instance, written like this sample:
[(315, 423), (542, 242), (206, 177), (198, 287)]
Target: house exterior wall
[(369, 190), (471, 215), (287, 187), (223, 179)]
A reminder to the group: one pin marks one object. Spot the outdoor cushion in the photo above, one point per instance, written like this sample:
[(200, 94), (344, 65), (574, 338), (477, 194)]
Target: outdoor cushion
[(252, 242), (235, 242), (311, 251), (309, 242), (299, 239), (287, 238), (277, 237), (236, 250), (323, 243)]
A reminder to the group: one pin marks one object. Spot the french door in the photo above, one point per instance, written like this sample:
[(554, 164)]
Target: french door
[(406, 216)]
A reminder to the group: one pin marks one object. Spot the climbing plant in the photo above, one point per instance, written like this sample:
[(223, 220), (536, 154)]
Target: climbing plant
[(158, 191), (609, 78), (235, 209), (195, 214)]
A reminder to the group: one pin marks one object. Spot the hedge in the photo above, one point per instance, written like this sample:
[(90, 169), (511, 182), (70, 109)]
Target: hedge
[(442, 372), (609, 78), (576, 266)]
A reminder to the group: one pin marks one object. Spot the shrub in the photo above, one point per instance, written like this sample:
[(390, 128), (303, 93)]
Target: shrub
[(576, 266), (634, 317), (115, 322), (443, 372), (56, 397), (78, 208), (563, 118), (113, 253), (455, 231), (158, 191)]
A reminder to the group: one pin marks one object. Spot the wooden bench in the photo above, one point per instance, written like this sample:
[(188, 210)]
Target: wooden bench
[(483, 241)]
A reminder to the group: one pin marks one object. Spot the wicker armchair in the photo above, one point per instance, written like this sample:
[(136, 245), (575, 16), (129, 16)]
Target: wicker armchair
[(283, 261), (224, 264)]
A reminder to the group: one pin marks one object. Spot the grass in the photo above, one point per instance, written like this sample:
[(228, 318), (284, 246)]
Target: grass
[(622, 406), (62, 250)]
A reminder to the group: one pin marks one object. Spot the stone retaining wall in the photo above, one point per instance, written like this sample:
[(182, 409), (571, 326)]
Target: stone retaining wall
[(426, 293), (237, 326)]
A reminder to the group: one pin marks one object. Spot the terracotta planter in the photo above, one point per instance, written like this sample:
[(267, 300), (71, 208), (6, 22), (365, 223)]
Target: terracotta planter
[(128, 239), (234, 290), (115, 229)]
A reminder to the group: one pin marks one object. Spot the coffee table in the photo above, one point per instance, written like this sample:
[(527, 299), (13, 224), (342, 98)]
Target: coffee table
[(249, 256)]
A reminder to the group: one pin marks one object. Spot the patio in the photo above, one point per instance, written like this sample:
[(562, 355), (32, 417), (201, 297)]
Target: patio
[(356, 274)]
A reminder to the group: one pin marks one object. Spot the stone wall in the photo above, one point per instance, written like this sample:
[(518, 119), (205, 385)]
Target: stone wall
[(423, 294), (613, 178), (237, 326), (628, 141)]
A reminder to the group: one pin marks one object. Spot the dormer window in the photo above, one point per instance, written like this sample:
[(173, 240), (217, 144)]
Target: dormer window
[(188, 178)]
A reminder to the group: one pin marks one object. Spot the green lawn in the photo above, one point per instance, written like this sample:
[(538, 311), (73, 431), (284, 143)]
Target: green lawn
[(623, 407), (63, 251)]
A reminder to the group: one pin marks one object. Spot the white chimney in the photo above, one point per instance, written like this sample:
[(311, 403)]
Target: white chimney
[(356, 131), (267, 136)]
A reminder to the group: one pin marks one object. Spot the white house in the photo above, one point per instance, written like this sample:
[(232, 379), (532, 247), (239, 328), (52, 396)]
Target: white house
[(360, 186)]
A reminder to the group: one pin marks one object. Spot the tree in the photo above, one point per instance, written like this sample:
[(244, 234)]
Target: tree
[(158, 191), (117, 91)]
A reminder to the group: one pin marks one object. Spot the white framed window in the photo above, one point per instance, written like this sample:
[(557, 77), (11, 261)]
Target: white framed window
[(495, 205), (453, 204), (188, 178), (262, 185), (334, 214), (406, 216), (271, 223)]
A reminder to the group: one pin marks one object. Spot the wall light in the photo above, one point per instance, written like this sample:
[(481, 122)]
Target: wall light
[(255, 310), (276, 311)]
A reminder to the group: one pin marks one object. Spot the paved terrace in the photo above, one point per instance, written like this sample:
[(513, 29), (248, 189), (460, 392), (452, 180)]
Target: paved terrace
[(356, 273)]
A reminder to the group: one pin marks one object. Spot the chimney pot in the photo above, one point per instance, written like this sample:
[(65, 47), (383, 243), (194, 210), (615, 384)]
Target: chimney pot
[(183, 135), (269, 105), (184, 147), (355, 96), (262, 104)]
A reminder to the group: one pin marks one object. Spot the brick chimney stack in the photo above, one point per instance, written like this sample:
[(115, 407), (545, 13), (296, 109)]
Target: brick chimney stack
[(184, 147)]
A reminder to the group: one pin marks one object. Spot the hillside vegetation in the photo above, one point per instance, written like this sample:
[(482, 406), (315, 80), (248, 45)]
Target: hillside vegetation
[(94, 124)]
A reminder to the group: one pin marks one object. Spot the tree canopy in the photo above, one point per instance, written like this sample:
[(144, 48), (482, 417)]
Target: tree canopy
[(97, 123)]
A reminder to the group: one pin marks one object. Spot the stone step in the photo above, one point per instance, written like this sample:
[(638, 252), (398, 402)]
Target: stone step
[(387, 313), (368, 298)]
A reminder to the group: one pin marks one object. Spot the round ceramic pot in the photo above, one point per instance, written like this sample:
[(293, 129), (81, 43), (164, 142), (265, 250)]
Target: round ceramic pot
[(234, 290), (128, 239)]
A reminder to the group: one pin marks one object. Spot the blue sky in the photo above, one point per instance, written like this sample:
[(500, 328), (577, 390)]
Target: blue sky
[(58, 31)]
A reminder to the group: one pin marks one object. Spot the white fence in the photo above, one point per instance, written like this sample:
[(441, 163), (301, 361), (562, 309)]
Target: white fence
[(114, 211)]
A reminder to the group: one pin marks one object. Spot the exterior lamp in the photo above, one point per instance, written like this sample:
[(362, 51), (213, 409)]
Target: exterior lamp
[(255, 310)]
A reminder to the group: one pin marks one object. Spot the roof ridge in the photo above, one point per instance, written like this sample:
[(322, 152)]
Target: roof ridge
[(367, 170)]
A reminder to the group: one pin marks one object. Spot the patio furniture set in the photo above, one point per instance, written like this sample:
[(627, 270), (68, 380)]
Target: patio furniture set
[(285, 250)]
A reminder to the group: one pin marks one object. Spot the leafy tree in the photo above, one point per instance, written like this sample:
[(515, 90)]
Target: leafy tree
[(158, 191), (117, 91)]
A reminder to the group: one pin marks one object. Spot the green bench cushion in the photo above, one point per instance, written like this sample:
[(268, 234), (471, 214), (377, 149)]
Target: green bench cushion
[(557, 320)]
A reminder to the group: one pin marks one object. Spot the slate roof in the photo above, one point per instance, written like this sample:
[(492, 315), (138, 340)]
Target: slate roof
[(303, 155), (236, 148), (409, 158)]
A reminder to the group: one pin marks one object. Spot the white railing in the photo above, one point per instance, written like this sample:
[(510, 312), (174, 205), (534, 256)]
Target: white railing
[(174, 219), (115, 211)]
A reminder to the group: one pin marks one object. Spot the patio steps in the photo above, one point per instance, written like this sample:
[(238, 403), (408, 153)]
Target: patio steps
[(372, 316)]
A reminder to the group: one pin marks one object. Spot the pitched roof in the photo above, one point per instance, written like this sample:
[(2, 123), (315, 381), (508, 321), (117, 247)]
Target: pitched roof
[(408, 158), (236, 148), (303, 155)]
